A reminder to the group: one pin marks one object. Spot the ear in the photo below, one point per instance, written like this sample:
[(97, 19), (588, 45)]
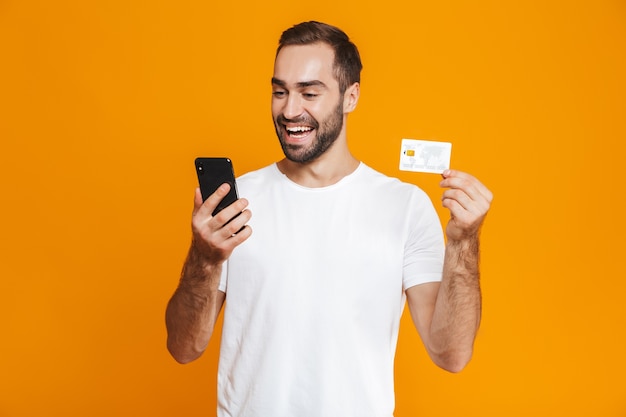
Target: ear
[(351, 97)]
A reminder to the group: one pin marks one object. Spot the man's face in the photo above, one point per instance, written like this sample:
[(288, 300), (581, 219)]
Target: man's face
[(306, 105)]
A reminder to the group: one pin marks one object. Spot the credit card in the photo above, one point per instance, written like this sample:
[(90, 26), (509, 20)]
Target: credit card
[(425, 156)]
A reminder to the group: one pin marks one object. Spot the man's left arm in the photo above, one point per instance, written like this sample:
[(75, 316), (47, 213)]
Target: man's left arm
[(447, 314)]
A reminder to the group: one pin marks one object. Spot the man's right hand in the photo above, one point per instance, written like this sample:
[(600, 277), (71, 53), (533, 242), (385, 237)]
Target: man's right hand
[(193, 309), (215, 237)]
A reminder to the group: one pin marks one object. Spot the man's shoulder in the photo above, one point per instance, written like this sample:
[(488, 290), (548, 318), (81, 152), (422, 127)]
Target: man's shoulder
[(377, 178), (264, 173), (258, 180)]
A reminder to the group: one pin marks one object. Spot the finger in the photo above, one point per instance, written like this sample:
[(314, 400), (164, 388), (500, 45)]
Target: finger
[(228, 213), (456, 210), (208, 207), (236, 239), (235, 232), (197, 221), (464, 205), (462, 185), (236, 224), (197, 200), (228, 226), (467, 220), (468, 183), (460, 197)]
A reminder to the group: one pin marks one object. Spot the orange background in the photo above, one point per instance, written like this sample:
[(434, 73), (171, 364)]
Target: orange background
[(105, 104)]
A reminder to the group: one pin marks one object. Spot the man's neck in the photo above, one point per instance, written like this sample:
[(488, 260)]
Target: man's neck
[(326, 170)]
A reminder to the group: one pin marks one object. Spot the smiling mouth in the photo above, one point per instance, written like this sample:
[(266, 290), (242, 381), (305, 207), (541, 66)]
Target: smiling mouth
[(298, 132)]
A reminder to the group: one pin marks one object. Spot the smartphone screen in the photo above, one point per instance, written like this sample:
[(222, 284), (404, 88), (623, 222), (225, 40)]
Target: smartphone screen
[(213, 172)]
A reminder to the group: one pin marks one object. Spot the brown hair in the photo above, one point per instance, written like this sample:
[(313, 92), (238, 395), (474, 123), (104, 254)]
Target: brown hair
[(347, 66)]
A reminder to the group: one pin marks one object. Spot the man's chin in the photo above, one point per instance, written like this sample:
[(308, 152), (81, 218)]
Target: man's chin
[(306, 152), (298, 156)]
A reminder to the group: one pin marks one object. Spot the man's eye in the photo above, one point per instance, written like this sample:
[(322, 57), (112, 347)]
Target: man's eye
[(278, 94), (310, 95)]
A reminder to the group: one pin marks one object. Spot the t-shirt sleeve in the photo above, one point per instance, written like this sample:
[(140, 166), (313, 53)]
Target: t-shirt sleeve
[(424, 249)]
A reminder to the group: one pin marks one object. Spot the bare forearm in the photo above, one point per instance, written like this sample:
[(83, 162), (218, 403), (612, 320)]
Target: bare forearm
[(193, 309), (456, 317)]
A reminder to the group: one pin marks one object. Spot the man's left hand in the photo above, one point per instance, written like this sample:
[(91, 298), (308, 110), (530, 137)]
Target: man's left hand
[(468, 201)]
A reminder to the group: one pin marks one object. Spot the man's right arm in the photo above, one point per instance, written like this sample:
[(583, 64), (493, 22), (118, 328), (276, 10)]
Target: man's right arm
[(193, 309)]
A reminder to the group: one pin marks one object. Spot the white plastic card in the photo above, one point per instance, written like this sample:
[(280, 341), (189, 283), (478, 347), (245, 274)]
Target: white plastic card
[(425, 156)]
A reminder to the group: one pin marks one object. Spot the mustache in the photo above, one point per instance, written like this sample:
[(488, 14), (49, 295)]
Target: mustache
[(303, 119)]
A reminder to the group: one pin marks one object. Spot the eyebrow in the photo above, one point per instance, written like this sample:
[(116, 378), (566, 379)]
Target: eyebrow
[(301, 84)]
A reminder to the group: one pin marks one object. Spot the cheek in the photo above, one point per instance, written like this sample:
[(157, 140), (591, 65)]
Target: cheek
[(278, 106), (275, 110), (318, 111), (325, 117)]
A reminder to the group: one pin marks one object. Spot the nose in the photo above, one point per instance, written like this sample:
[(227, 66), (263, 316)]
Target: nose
[(293, 107)]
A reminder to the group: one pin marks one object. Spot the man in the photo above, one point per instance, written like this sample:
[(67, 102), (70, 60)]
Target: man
[(314, 296)]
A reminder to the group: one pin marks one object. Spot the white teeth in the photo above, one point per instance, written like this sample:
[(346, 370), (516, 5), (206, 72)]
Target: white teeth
[(299, 129)]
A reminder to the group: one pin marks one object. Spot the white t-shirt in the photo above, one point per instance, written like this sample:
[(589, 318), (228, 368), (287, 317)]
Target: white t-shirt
[(314, 296)]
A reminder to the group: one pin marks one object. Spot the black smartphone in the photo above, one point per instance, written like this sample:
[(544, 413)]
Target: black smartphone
[(213, 172)]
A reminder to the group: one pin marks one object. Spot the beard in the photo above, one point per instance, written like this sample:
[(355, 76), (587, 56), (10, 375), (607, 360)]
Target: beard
[(326, 133)]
